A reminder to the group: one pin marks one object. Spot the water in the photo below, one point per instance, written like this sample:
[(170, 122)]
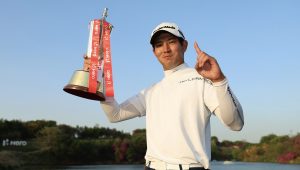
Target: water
[(214, 166)]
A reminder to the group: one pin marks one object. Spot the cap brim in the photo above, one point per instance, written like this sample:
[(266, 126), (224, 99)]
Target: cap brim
[(156, 34)]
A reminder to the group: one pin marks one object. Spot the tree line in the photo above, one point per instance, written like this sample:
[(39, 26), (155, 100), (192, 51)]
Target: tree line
[(44, 142)]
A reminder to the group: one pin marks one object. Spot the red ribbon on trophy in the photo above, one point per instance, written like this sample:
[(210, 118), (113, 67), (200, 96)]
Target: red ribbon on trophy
[(101, 56), (95, 81), (94, 56), (108, 79)]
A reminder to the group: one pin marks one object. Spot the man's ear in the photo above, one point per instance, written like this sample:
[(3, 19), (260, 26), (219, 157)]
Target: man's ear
[(185, 45)]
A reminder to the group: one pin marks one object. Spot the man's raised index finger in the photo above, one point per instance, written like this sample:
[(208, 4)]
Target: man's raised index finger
[(198, 50)]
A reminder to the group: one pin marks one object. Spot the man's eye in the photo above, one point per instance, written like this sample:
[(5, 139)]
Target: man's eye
[(158, 45), (172, 41)]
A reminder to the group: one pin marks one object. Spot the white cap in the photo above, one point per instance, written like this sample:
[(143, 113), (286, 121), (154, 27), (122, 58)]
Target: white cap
[(168, 27)]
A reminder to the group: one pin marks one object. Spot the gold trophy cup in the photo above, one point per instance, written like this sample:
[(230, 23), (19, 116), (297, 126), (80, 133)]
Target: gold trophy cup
[(79, 83)]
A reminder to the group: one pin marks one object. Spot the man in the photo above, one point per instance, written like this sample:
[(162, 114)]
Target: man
[(178, 108)]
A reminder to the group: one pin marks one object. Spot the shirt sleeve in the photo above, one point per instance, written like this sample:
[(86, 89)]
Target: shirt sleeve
[(224, 104), (132, 107)]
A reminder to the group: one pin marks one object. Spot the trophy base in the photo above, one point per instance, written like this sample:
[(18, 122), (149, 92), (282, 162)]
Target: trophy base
[(78, 86), (82, 91)]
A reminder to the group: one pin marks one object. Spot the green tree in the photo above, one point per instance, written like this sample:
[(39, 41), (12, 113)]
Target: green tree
[(33, 127), (268, 139), (120, 147), (12, 130), (137, 146), (215, 150)]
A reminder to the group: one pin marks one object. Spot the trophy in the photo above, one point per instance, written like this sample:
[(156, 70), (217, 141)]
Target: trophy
[(95, 80)]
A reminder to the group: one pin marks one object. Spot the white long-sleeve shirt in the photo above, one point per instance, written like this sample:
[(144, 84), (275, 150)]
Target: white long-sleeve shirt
[(178, 110)]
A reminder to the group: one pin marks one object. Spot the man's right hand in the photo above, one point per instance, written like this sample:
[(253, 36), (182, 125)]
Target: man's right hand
[(86, 64)]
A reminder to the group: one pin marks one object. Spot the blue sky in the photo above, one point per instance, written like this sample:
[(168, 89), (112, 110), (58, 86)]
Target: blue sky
[(256, 43)]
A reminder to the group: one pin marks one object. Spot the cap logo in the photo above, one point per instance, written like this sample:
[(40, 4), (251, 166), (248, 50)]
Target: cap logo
[(166, 26)]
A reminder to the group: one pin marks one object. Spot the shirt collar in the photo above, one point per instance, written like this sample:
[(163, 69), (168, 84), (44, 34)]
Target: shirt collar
[(169, 72)]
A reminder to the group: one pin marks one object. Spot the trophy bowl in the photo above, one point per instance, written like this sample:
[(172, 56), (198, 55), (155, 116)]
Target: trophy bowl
[(78, 86)]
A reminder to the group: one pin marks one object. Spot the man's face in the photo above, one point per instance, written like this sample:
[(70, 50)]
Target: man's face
[(168, 50)]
